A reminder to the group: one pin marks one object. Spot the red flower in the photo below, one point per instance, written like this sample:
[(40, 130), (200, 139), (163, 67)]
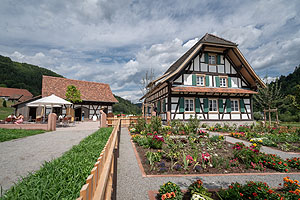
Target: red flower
[(241, 194), (254, 194), (230, 186)]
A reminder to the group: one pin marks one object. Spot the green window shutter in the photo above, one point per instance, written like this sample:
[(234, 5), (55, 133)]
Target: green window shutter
[(197, 104), (229, 81), (158, 106), (205, 105), (207, 81), (242, 105), (164, 105), (221, 105), (194, 79), (228, 105), (181, 104), (217, 81), (218, 59), (206, 58)]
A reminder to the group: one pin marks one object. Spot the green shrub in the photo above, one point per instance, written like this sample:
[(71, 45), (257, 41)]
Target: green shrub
[(4, 103), (156, 124), (257, 116)]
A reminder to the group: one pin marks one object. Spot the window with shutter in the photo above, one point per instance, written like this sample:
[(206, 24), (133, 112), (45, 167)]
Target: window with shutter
[(229, 81), (242, 104), (207, 81), (205, 105), (217, 81), (181, 104), (206, 58), (218, 59), (193, 79), (221, 105), (197, 105), (228, 105)]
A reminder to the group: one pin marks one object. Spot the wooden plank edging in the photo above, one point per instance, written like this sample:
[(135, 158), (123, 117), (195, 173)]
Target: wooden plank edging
[(98, 183)]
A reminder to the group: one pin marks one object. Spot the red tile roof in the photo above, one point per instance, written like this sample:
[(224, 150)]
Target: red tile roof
[(213, 90), (90, 91), (15, 92)]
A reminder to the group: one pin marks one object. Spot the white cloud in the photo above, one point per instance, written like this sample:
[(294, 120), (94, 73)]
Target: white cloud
[(118, 41)]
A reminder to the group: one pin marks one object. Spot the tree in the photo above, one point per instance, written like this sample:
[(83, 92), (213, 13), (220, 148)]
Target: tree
[(73, 95), (149, 76), (4, 103), (269, 96), (296, 97)]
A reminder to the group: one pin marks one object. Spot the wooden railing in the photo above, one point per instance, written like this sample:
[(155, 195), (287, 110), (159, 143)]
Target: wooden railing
[(99, 185), (126, 121)]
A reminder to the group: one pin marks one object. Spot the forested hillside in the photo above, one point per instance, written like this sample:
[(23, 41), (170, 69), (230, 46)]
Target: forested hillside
[(22, 75), (126, 107), (287, 86)]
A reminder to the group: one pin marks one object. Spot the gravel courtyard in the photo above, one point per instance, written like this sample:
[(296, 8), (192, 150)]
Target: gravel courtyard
[(20, 156)]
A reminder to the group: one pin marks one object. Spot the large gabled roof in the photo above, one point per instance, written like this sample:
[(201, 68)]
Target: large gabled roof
[(90, 91), (209, 40)]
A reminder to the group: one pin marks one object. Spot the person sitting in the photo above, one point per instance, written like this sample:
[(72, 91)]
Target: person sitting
[(12, 116), (19, 119)]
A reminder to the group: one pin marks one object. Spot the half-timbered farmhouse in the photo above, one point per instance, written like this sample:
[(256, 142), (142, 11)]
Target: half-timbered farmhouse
[(212, 81), (95, 96)]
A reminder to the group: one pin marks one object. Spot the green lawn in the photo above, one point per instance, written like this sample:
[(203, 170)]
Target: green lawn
[(10, 134), (62, 178), (292, 124), (4, 112)]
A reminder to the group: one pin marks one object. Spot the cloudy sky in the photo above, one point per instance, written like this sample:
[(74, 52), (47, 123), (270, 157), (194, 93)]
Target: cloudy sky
[(117, 41)]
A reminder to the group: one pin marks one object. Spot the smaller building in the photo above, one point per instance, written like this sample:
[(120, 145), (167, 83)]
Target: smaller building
[(95, 96), (15, 94)]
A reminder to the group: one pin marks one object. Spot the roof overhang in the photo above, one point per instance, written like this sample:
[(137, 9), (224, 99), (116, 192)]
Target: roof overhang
[(212, 90)]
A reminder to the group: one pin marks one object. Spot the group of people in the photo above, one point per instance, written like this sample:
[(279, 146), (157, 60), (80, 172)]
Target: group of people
[(17, 120)]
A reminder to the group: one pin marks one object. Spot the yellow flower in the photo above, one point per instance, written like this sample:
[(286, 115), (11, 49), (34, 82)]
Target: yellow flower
[(254, 144), (260, 141), (251, 140)]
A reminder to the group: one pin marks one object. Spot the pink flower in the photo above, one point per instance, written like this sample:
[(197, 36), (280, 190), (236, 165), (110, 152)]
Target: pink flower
[(205, 156), (189, 158)]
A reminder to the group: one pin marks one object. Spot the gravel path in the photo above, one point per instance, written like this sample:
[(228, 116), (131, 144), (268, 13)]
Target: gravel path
[(265, 149), (20, 156), (131, 184)]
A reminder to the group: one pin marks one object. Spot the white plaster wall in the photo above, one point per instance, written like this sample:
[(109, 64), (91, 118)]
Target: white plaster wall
[(233, 70), (246, 101), (212, 68), (202, 58), (244, 116), (204, 67), (222, 59), (235, 116), (196, 63), (248, 108), (179, 79), (187, 79), (227, 66), (173, 107), (210, 81), (226, 116), (213, 116), (178, 116), (243, 84), (174, 99), (220, 69), (234, 82)]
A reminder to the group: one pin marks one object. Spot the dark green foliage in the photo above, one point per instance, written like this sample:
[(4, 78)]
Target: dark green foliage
[(4, 104), (63, 177), (22, 75), (10, 134), (72, 94), (126, 107)]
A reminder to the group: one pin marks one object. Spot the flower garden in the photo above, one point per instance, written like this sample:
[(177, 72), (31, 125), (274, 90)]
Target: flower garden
[(286, 139), (290, 190), (185, 149)]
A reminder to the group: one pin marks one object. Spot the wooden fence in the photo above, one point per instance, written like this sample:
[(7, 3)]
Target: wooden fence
[(99, 185), (126, 121)]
